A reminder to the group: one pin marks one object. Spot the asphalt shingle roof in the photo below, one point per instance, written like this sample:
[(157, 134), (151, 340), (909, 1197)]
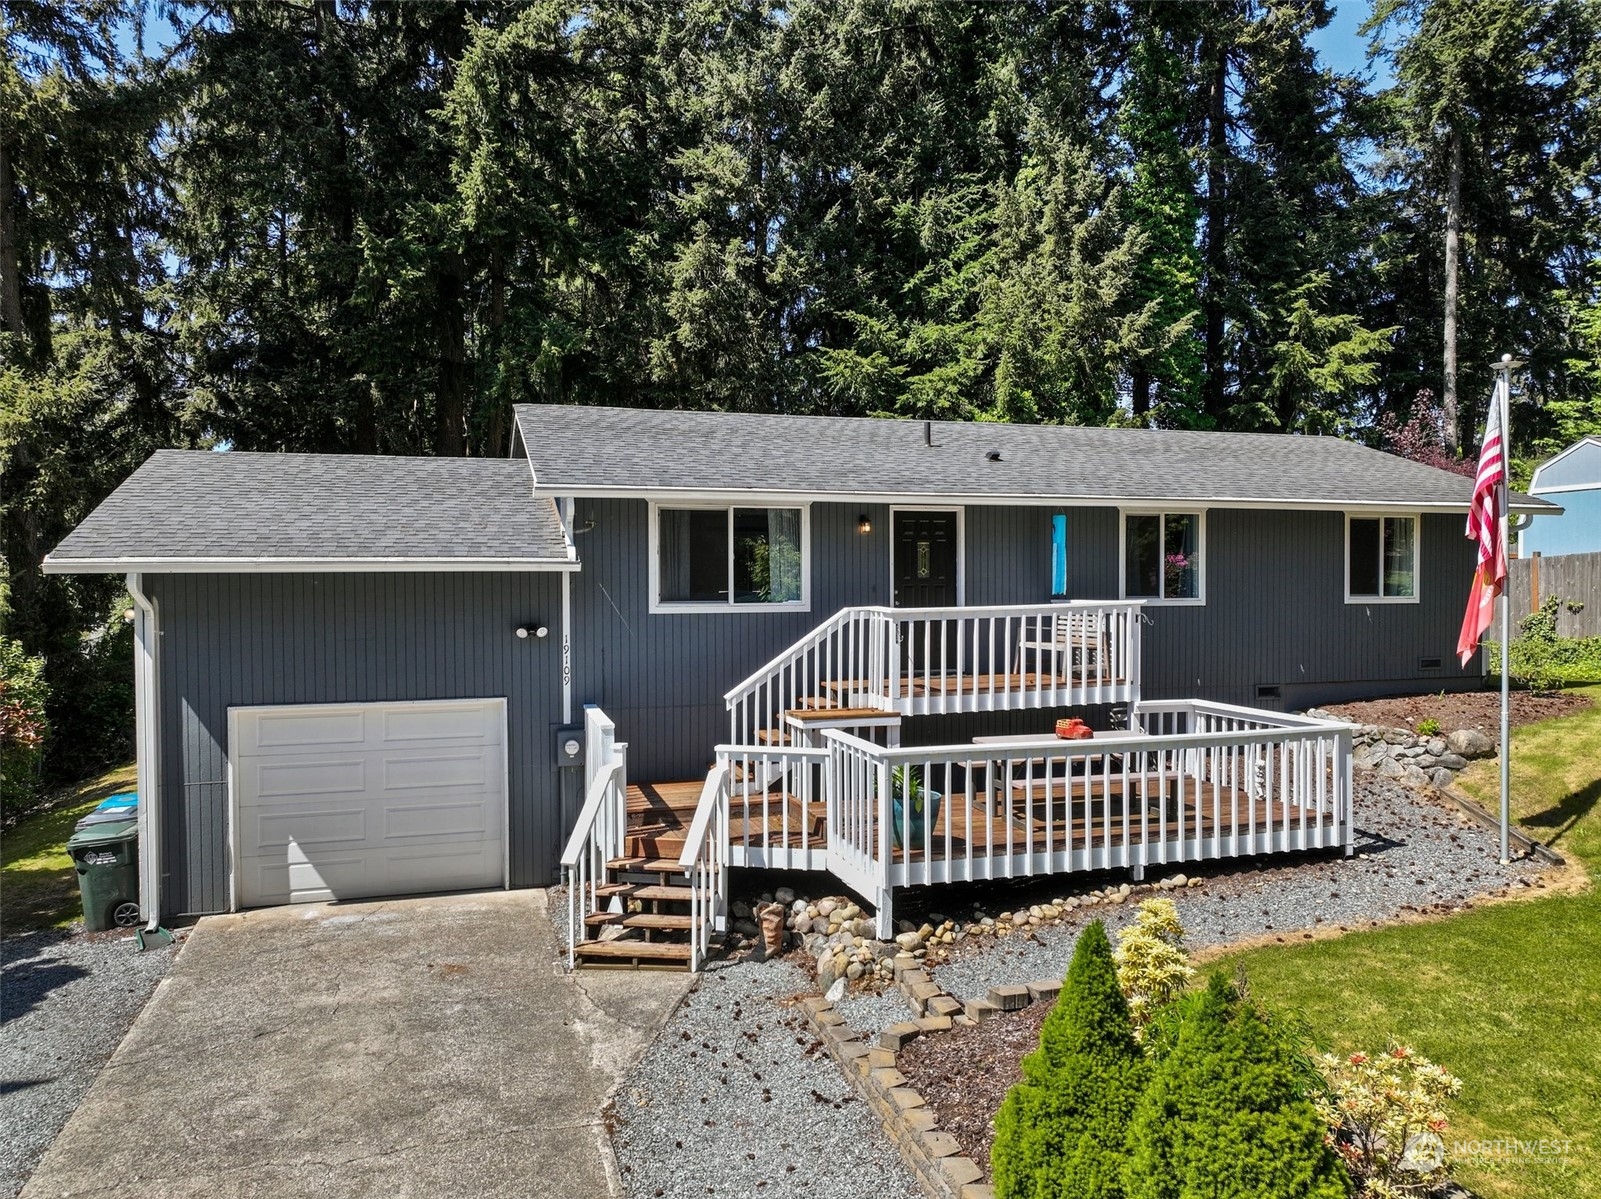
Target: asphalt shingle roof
[(587, 450), (302, 508)]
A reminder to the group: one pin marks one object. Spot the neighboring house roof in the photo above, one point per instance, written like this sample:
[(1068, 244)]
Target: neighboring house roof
[(200, 511), (1577, 468), (579, 450)]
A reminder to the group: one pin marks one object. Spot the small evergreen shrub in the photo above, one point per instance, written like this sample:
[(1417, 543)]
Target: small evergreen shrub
[(1152, 967), (1225, 1115), (1061, 1132), (1387, 1112)]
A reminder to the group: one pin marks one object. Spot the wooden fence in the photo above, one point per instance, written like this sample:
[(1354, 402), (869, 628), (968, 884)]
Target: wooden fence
[(1573, 578)]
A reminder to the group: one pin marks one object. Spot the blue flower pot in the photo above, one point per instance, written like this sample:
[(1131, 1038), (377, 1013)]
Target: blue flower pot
[(914, 834)]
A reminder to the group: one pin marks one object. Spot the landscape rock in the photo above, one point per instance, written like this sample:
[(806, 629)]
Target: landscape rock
[(1470, 743)]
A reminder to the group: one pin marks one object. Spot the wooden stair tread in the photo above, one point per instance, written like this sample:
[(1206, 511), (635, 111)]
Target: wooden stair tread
[(659, 921), (674, 951), (664, 797), (645, 865), (772, 737), (818, 715), (643, 891)]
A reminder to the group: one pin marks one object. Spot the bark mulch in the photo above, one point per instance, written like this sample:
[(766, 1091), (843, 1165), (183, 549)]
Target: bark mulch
[(1454, 710), (965, 1073)]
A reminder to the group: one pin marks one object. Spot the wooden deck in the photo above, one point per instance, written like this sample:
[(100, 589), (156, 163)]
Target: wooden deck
[(1036, 818)]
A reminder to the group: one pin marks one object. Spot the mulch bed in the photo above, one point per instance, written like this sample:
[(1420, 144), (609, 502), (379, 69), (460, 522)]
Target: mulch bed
[(1454, 710), (965, 1073)]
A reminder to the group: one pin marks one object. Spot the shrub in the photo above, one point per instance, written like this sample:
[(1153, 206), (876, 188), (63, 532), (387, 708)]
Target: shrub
[(23, 727), (1224, 1115), (1428, 727), (1540, 659), (1151, 964), (1061, 1132), (1387, 1112)]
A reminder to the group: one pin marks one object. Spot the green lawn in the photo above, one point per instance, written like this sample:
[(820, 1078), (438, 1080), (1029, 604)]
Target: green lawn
[(38, 887), (1507, 996)]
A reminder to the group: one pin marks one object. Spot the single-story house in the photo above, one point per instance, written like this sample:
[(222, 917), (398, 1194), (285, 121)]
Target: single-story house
[(371, 675), (1571, 479)]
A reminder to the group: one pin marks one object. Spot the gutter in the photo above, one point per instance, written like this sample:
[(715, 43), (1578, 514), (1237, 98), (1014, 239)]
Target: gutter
[(1530, 506), (147, 740)]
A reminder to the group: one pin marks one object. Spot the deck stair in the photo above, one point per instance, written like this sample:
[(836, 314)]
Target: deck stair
[(645, 890)]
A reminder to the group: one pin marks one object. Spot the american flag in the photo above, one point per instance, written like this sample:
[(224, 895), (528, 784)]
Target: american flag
[(1486, 527)]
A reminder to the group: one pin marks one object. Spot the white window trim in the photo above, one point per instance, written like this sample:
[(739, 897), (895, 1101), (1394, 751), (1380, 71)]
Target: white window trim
[(961, 546), (661, 607), (1199, 601), (1417, 558)]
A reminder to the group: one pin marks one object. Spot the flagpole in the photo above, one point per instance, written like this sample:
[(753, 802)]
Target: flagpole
[(1503, 396)]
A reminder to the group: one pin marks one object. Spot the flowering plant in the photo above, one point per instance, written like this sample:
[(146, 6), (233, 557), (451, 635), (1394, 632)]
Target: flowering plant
[(1151, 964), (1386, 1114), (1175, 566)]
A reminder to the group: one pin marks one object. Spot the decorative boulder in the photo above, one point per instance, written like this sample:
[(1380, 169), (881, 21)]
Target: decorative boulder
[(1470, 743)]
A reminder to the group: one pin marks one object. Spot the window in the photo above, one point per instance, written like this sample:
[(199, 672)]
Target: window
[(1162, 556), (1381, 559), (708, 558)]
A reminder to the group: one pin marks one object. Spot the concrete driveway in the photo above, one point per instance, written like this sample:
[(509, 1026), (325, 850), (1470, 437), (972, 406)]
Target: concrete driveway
[(415, 1047)]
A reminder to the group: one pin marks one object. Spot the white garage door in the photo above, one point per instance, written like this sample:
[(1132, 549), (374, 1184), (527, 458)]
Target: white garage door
[(345, 800)]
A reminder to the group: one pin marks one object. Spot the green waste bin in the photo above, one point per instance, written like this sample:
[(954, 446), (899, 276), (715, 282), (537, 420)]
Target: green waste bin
[(107, 860)]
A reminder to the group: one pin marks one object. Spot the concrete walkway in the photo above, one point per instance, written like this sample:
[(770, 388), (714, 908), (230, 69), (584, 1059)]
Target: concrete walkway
[(416, 1047)]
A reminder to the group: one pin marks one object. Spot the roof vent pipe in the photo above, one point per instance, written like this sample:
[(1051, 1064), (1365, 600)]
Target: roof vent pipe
[(928, 435)]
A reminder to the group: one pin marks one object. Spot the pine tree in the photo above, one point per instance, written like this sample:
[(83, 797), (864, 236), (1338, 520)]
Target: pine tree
[(1060, 1132), (1224, 1115)]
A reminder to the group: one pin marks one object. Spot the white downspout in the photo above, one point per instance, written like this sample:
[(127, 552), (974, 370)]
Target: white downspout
[(566, 510), (147, 740)]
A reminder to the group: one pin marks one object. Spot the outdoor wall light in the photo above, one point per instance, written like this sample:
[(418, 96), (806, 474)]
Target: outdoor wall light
[(863, 524), (539, 631)]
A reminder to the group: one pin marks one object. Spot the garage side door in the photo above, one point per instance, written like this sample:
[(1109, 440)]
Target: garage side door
[(346, 800)]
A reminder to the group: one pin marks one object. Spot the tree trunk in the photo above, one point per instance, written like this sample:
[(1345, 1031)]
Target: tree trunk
[(1140, 393), (495, 437), (10, 251), (1453, 249), (1215, 241), (451, 397)]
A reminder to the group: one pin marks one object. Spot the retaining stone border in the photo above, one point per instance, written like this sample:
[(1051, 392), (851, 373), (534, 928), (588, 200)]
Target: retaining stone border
[(1410, 758), (930, 1153)]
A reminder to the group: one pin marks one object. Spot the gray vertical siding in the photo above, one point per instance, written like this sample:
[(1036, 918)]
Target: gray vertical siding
[(662, 677), (1274, 615), (237, 640)]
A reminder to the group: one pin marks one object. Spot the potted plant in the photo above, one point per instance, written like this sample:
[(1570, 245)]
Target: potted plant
[(914, 805)]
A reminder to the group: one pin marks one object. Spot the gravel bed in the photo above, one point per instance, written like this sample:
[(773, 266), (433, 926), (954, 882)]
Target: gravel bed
[(65, 1002), (873, 1012), (1413, 854), (737, 1098)]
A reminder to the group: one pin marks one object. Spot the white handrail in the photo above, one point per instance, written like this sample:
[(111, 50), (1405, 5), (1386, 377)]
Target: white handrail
[(714, 790), (589, 813), (1264, 784)]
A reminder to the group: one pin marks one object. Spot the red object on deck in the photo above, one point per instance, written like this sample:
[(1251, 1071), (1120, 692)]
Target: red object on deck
[(1073, 730)]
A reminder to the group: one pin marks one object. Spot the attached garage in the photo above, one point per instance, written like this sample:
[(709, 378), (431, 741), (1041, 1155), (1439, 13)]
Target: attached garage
[(349, 674), (343, 801)]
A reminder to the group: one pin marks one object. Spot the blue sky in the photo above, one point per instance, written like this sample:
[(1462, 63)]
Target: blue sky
[(1342, 47)]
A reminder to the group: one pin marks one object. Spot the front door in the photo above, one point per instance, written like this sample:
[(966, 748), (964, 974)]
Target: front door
[(925, 559)]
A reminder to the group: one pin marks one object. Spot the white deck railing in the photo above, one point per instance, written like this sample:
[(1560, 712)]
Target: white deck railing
[(1192, 781), (598, 835), (930, 661)]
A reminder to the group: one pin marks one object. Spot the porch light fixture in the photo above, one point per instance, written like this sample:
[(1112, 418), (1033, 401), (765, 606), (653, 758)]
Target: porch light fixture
[(539, 631), (863, 524)]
